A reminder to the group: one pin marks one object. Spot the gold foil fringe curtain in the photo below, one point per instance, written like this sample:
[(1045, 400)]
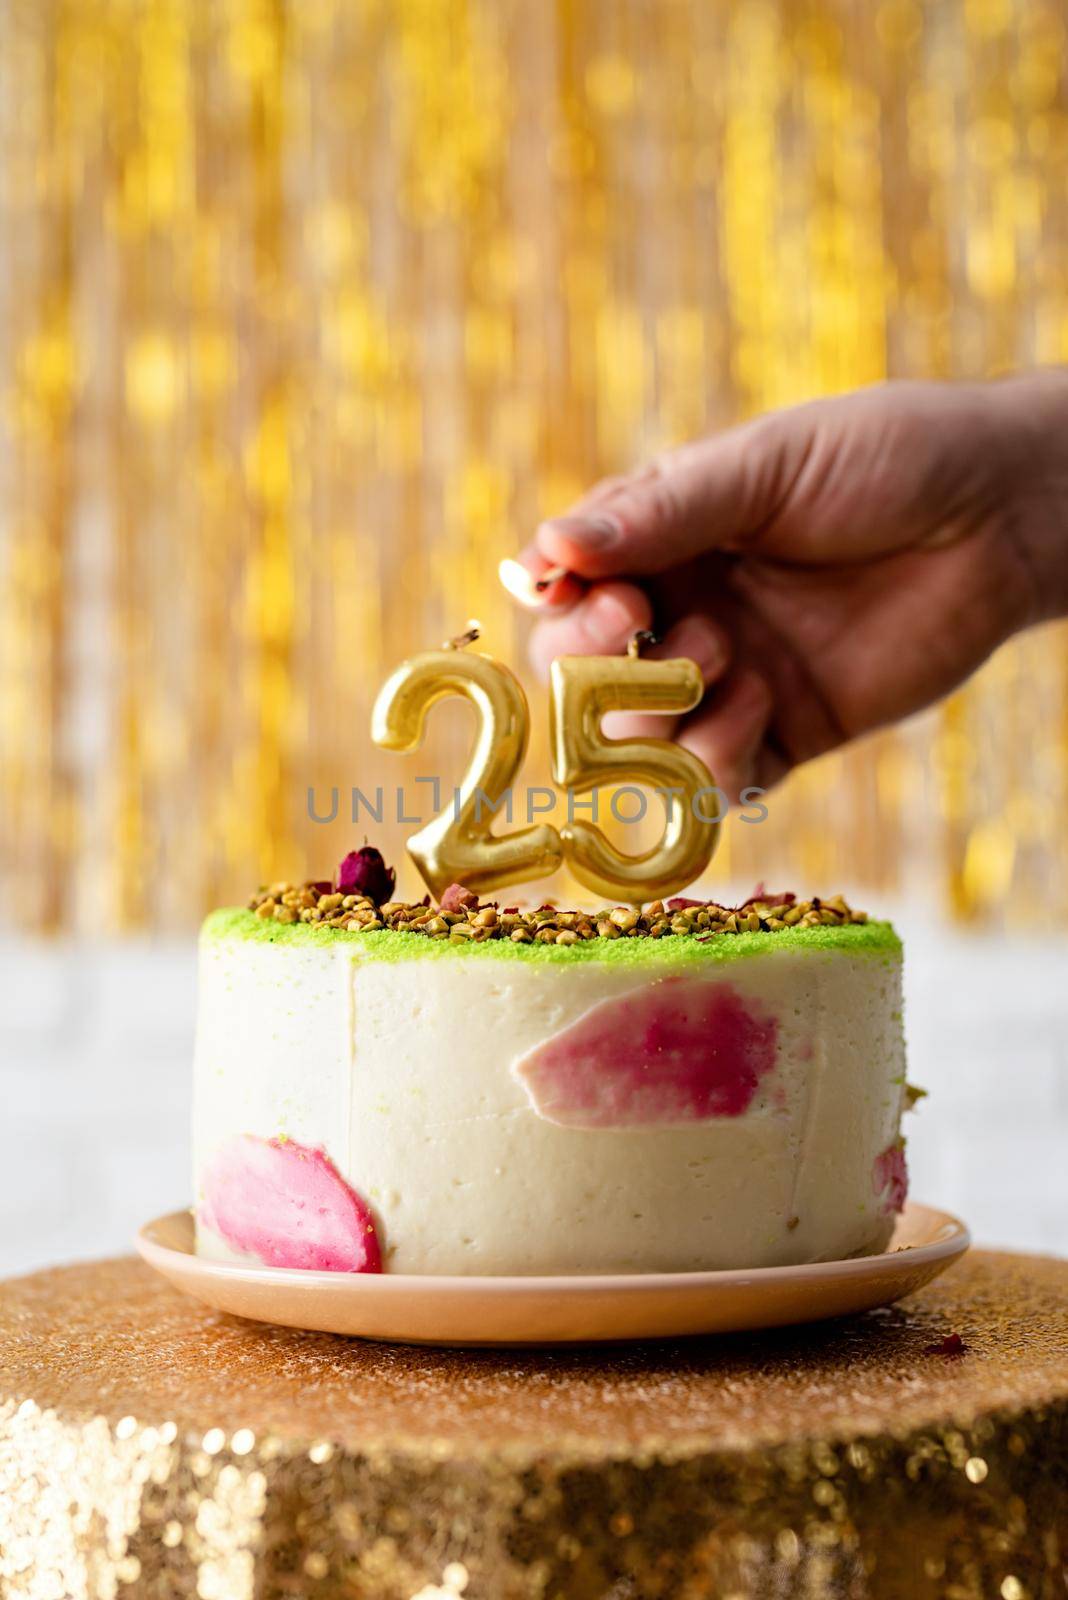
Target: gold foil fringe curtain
[(311, 310)]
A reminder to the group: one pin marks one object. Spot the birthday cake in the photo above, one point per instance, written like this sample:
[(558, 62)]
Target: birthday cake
[(473, 1088)]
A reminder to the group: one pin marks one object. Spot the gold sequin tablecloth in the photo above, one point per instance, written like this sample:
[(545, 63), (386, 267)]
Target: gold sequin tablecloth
[(149, 1447)]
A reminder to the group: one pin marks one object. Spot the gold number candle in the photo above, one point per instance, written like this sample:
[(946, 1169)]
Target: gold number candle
[(584, 688), (458, 846)]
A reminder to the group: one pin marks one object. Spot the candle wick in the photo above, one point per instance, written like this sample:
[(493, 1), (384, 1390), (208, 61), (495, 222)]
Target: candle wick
[(639, 640), (469, 635)]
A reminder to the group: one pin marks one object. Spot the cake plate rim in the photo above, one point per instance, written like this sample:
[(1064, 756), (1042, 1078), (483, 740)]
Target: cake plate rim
[(608, 1308)]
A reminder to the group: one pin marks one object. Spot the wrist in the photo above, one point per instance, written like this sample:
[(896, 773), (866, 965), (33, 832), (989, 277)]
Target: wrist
[(1034, 415)]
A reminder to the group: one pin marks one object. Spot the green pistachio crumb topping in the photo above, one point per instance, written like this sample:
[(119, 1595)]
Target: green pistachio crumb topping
[(379, 938)]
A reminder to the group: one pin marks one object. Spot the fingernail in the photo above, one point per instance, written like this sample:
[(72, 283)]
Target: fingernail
[(606, 621), (710, 658), (592, 533), (703, 645)]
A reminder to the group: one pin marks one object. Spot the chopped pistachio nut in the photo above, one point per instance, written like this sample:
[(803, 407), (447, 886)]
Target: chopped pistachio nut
[(288, 902)]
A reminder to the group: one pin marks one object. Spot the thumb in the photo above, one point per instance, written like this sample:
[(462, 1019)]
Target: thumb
[(715, 494)]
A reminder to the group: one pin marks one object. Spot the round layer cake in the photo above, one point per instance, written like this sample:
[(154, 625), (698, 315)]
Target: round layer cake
[(475, 1090)]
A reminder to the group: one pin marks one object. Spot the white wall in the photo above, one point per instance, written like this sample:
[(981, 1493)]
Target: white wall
[(95, 1047)]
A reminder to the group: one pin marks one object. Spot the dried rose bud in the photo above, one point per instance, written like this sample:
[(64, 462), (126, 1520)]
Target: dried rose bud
[(681, 903), (769, 899), (365, 872), (457, 898), (951, 1345), (321, 886)]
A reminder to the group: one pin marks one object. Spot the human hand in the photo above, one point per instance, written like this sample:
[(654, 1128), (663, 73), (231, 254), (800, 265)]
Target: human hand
[(832, 568)]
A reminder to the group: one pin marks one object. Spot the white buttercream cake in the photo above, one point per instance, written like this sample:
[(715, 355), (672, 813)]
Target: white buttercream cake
[(477, 1089)]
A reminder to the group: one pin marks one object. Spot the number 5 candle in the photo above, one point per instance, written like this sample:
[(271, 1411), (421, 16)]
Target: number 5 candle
[(584, 689)]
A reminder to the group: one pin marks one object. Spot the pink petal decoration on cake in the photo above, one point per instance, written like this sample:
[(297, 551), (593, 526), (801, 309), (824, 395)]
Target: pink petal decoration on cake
[(890, 1177), (677, 1051), (289, 1206)]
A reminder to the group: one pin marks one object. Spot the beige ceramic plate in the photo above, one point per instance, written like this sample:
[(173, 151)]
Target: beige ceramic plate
[(512, 1311)]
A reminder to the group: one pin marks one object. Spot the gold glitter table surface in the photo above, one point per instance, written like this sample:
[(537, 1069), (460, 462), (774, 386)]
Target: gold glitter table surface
[(388, 1463), (112, 1338)]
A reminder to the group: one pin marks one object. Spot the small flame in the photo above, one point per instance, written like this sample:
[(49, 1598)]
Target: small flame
[(523, 586), (518, 581)]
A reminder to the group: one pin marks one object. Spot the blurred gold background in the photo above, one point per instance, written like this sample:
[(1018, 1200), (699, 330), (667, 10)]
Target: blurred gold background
[(312, 308)]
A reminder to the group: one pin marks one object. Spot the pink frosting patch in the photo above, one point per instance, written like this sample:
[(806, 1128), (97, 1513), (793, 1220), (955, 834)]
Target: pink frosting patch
[(677, 1051), (890, 1178), (288, 1205)]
